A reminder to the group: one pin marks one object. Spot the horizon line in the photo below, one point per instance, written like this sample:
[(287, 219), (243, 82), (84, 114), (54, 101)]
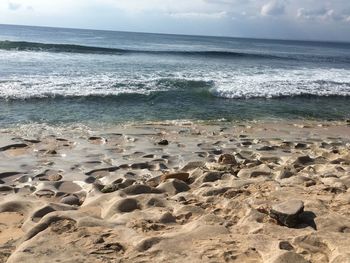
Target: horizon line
[(182, 34)]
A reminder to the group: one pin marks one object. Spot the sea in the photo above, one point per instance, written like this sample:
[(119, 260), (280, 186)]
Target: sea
[(61, 76)]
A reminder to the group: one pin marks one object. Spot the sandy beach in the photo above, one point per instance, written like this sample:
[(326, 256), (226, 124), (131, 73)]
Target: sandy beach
[(185, 191)]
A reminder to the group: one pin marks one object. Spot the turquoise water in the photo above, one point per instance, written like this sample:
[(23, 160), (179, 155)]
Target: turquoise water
[(51, 75)]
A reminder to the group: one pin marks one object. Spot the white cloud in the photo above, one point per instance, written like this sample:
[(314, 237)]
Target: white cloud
[(13, 6), (273, 8), (194, 15), (322, 14)]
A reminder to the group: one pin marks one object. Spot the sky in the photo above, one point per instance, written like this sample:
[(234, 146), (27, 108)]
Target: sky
[(278, 19)]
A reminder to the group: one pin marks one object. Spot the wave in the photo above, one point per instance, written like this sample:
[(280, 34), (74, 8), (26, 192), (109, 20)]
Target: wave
[(72, 48), (152, 89)]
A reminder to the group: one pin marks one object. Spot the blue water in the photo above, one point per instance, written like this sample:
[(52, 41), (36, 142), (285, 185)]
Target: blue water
[(55, 75)]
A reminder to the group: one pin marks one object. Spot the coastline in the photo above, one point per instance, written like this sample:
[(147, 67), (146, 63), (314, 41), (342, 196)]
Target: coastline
[(176, 191)]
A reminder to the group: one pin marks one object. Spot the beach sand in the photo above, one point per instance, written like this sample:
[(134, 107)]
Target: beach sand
[(272, 191)]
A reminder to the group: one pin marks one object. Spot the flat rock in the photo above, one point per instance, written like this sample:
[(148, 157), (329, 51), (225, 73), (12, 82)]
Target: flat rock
[(287, 213)]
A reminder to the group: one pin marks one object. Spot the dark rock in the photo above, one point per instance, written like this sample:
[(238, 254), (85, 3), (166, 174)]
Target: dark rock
[(285, 173), (211, 177), (109, 188), (167, 218), (70, 200), (139, 166), (13, 146), (163, 142), (303, 160), (127, 205), (108, 169), (138, 189), (285, 245), (267, 148), (52, 152), (300, 146), (6, 188), (287, 213)]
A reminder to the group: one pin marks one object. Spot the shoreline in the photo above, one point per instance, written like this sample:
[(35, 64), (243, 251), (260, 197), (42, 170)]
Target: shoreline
[(176, 191)]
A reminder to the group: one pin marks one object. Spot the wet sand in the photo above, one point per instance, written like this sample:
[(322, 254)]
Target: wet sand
[(176, 192)]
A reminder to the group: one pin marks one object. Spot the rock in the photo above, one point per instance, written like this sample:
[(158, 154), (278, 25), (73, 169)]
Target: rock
[(126, 205), (303, 160), (163, 142), (266, 148), (309, 183), (300, 146), (173, 186), (45, 193), (287, 213), (109, 188), (127, 182), (138, 189), (154, 181), (285, 173), (216, 191), (155, 202), (167, 218), (52, 152), (285, 245), (70, 200), (260, 170), (218, 167), (147, 243), (54, 177), (107, 170), (13, 146), (191, 166), (227, 159), (289, 257), (179, 176), (210, 177), (140, 166)]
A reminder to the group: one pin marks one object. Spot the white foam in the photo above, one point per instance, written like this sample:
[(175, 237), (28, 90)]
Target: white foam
[(241, 83), (278, 83)]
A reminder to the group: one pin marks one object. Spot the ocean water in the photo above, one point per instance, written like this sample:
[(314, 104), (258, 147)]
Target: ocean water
[(59, 76)]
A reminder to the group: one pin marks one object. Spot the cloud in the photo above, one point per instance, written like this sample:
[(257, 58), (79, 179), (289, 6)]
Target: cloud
[(273, 8), (322, 14), (13, 6), (194, 15)]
